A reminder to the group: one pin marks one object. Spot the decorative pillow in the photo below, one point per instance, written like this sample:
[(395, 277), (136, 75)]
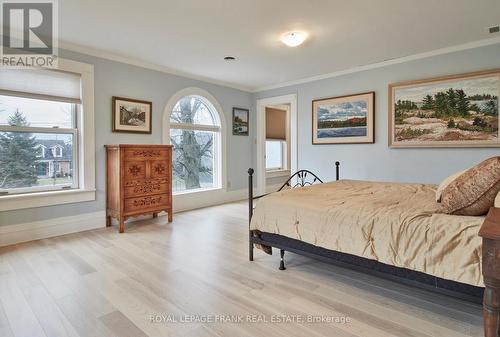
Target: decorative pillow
[(445, 184), (474, 191)]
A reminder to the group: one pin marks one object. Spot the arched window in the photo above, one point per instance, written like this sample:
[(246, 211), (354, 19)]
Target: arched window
[(195, 133)]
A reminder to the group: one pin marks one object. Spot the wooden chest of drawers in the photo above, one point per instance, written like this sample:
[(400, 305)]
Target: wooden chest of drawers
[(138, 181)]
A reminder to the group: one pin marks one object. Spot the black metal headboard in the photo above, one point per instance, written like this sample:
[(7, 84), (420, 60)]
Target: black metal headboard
[(306, 178), (302, 178)]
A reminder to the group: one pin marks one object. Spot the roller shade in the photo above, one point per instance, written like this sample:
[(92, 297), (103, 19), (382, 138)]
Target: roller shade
[(41, 84), (275, 124)]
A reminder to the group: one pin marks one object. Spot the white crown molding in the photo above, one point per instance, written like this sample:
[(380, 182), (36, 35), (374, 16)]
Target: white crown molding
[(436, 52), (144, 64), (147, 65)]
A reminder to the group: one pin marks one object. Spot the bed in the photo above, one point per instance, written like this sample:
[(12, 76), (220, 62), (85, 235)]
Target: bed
[(392, 230)]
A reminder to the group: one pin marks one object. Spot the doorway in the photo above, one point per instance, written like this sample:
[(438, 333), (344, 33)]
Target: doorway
[(276, 141)]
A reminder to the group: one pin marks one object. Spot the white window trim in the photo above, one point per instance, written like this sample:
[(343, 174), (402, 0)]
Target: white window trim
[(41, 147), (86, 148), (278, 173), (60, 151), (194, 91)]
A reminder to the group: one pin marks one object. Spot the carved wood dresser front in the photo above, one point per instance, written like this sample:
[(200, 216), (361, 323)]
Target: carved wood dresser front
[(139, 181)]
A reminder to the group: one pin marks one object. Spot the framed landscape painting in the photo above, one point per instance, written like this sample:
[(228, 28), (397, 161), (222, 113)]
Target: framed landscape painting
[(453, 111), (344, 120), (131, 115), (240, 122)]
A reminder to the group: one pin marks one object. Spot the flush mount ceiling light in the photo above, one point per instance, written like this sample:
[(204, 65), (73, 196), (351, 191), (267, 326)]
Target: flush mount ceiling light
[(294, 39)]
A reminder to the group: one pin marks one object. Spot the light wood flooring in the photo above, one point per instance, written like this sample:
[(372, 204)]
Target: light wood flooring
[(101, 283)]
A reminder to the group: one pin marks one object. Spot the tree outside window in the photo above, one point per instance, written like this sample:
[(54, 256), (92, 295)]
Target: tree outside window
[(36, 145), (195, 136)]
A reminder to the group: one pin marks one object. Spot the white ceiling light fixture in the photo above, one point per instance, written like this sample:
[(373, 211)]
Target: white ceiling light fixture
[(294, 39)]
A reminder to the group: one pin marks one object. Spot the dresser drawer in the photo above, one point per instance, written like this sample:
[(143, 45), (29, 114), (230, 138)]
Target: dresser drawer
[(134, 170), (159, 169), (146, 153), (135, 188), (143, 204)]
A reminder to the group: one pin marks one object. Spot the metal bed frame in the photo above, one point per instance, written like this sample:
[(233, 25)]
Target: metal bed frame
[(402, 275)]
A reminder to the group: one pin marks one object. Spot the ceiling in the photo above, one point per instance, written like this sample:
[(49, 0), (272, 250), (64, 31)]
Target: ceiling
[(193, 36)]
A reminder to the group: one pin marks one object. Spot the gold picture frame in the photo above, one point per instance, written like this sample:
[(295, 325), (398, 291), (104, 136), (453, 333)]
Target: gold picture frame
[(450, 111)]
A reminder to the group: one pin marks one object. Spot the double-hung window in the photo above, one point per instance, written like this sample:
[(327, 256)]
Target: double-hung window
[(276, 155), (46, 141)]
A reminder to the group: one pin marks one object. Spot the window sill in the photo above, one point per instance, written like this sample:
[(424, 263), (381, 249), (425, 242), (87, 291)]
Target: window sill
[(199, 190), (277, 173), (41, 199)]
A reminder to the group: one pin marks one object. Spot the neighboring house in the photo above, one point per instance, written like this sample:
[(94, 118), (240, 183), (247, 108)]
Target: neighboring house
[(54, 158)]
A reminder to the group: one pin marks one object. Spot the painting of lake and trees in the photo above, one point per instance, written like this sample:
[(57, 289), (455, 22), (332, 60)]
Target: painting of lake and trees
[(346, 119), (455, 112)]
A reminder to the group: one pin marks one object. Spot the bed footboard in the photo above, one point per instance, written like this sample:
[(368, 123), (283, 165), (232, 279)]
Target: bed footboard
[(490, 232), (298, 179)]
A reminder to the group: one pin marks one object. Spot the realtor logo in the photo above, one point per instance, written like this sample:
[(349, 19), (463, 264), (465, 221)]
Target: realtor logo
[(29, 33)]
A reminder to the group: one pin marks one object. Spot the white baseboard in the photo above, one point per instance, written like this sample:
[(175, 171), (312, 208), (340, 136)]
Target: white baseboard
[(12, 234), (186, 202)]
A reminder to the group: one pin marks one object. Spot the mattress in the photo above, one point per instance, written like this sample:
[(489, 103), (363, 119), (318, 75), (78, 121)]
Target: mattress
[(393, 223)]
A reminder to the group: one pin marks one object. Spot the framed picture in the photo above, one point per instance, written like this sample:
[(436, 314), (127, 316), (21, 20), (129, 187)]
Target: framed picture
[(344, 120), (452, 111), (240, 122), (131, 115)]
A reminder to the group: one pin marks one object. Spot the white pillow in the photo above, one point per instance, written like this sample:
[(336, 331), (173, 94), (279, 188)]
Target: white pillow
[(445, 184), (497, 200)]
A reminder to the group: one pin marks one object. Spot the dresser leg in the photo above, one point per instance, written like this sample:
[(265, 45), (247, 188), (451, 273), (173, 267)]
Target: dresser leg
[(155, 215), (122, 226), (108, 221), (491, 307), (170, 216)]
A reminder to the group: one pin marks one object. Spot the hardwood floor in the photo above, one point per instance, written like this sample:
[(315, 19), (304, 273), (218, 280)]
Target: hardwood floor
[(101, 283)]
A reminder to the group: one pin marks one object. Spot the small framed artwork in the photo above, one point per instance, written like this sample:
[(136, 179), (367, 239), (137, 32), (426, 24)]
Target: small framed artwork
[(452, 111), (240, 122), (344, 120), (131, 115)]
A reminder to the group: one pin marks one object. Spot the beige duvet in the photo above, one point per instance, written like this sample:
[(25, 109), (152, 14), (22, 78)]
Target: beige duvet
[(397, 224)]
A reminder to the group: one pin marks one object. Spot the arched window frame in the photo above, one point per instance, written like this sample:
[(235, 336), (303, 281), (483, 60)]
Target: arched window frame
[(220, 144)]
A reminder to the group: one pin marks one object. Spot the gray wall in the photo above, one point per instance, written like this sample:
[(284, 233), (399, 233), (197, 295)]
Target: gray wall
[(370, 162), (377, 161), (118, 79)]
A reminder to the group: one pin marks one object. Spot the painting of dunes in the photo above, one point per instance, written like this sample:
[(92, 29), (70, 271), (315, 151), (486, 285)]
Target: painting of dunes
[(457, 111), (346, 119)]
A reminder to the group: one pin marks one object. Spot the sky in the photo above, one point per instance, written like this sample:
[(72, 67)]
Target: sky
[(40, 113), (241, 114), (342, 111), (486, 85)]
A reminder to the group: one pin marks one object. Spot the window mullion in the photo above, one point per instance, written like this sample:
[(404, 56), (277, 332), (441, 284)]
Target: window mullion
[(200, 127), (30, 129)]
